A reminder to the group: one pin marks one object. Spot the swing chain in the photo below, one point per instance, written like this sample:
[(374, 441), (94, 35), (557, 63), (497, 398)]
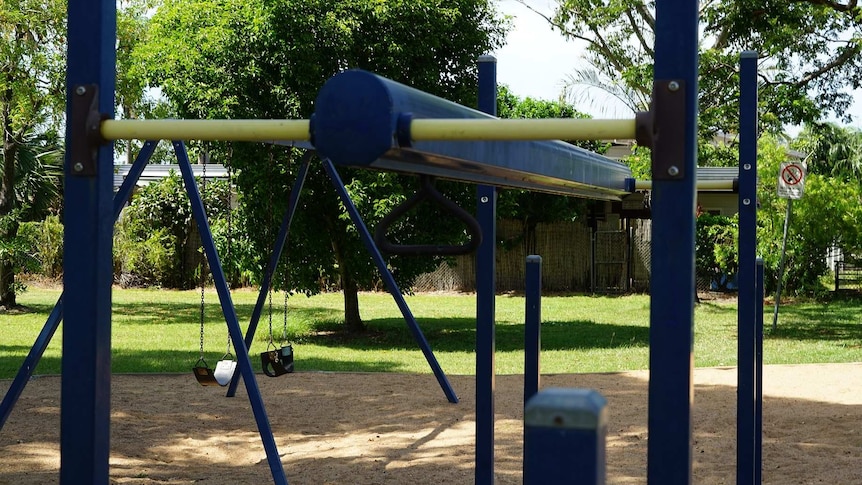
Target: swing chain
[(229, 235), (270, 344), (284, 312), (203, 256)]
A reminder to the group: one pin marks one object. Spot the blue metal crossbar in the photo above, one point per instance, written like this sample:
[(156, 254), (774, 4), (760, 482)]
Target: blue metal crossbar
[(362, 119)]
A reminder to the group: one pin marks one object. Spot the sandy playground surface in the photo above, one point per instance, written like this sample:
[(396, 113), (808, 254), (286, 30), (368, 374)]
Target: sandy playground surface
[(343, 428)]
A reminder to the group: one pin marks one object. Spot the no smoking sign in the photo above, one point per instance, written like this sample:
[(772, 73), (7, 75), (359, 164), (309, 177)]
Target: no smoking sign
[(791, 180)]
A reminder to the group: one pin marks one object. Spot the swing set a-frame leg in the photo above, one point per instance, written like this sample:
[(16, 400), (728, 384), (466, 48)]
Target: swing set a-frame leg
[(35, 355), (229, 312), (391, 285)]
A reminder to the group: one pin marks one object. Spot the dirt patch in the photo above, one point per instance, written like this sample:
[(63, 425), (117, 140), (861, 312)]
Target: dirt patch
[(344, 428)]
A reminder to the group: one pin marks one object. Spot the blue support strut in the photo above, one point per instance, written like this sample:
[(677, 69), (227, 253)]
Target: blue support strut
[(394, 290), (532, 326), (672, 286), (243, 361), (486, 286), (747, 317), (758, 376), (280, 241), (85, 389), (53, 321)]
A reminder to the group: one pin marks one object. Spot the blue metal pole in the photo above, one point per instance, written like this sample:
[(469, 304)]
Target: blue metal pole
[(87, 236), (532, 327), (243, 361), (391, 285), (565, 433), (280, 241), (672, 285), (53, 321), (758, 391), (486, 287), (746, 319)]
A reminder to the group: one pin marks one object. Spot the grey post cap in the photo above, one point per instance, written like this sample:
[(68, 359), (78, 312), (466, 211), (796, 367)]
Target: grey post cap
[(566, 408)]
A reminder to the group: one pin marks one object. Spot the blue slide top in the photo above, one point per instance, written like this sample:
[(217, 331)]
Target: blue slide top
[(362, 120)]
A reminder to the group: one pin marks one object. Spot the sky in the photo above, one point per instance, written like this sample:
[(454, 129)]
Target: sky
[(536, 61)]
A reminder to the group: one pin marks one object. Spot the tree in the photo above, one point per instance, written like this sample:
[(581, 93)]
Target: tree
[(835, 151), (256, 59), (810, 52), (32, 97)]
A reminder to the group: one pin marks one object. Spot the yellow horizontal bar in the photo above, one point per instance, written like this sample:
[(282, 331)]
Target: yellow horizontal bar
[(521, 129), (702, 185), (209, 130)]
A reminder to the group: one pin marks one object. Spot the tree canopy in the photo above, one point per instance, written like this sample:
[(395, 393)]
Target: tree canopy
[(32, 94), (267, 59), (810, 55)]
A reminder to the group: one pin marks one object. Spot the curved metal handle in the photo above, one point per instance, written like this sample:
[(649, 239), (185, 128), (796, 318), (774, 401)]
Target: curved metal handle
[(428, 192)]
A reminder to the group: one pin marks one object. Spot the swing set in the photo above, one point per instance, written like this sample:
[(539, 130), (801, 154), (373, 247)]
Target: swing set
[(275, 360)]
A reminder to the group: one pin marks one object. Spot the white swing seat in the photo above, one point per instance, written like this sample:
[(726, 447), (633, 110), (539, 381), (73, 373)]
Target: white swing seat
[(224, 371)]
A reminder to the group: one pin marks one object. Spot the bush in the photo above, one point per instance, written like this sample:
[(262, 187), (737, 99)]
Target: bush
[(46, 240)]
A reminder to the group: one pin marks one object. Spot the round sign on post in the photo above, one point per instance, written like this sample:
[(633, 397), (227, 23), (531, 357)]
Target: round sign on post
[(791, 180)]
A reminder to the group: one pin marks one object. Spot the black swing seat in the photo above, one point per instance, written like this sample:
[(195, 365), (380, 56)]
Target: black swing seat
[(204, 375), (277, 362)]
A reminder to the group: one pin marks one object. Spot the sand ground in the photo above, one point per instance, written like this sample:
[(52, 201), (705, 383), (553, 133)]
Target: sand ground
[(370, 428)]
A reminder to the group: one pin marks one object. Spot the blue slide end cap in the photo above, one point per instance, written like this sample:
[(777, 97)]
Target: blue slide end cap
[(356, 106)]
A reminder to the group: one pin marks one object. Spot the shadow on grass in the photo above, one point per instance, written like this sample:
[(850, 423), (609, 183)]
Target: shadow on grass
[(459, 335), (838, 320), (174, 361)]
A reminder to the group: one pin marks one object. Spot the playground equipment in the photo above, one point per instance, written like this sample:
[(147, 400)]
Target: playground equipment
[(399, 143)]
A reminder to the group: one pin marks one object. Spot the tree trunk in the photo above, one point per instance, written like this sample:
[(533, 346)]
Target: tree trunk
[(7, 286), (352, 320), (7, 207)]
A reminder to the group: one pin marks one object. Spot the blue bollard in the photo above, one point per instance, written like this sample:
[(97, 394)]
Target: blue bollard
[(564, 437)]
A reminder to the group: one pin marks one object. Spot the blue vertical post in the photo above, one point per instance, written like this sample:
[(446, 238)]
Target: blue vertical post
[(672, 286), (486, 286), (53, 321), (747, 310), (564, 438), (532, 327), (391, 285), (229, 312), (758, 388), (87, 270)]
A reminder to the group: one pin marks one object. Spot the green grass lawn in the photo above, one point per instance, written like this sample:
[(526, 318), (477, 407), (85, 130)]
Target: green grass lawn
[(157, 331)]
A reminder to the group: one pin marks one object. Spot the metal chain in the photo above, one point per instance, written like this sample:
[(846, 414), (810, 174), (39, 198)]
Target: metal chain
[(203, 257), (284, 312), (269, 237), (229, 235)]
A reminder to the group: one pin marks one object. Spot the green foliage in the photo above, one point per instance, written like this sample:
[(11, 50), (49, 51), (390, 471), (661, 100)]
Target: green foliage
[(829, 213), (256, 59), (811, 52), (156, 242), (716, 246), (46, 238), (835, 151)]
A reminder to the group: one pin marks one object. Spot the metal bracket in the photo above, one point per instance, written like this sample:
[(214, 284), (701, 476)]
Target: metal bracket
[(662, 128), (85, 131)]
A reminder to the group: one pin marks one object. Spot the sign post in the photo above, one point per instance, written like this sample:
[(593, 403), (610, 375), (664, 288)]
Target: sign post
[(791, 185)]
